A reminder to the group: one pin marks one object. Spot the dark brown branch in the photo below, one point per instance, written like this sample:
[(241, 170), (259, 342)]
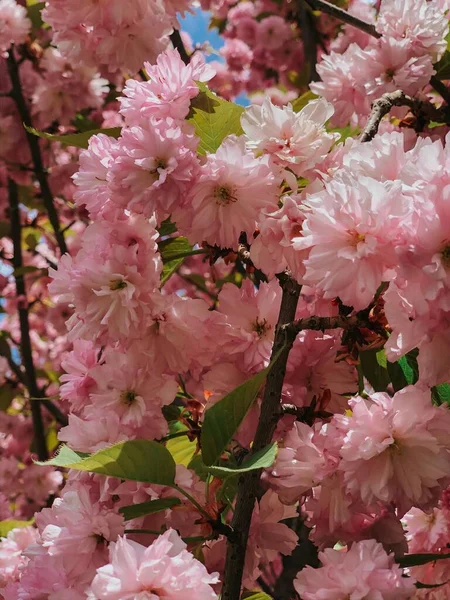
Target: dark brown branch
[(25, 340), (343, 15), (324, 323), (178, 44), (440, 88), (35, 150), (309, 35), (248, 485)]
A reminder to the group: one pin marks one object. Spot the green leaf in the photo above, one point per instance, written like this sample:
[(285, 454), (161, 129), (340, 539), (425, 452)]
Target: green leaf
[(169, 268), (34, 14), (174, 249), (80, 140), (222, 420), (136, 460), (373, 364), (441, 394), (10, 524), (134, 511), (182, 449), (442, 67), (256, 596), (303, 100), (415, 560), (25, 270), (405, 371), (214, 119), (260, 460), (167, 227), (7, 395)]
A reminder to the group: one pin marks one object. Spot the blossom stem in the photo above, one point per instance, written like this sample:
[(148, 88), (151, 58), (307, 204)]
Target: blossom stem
[(25, 340), (193, 501), (248, 485), (35, 150), (343, 15)]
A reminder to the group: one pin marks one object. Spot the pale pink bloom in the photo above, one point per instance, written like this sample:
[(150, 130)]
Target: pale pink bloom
[(169, 91), (78, 530), (14, 24), (352, 229), (40, 482), (423, 24), (394, 449), (87, 435), (163, 570), (273, 32), (77, 381), (251, 315), (427, 532), (363, 571), (272, 251), (268, 537), (12, 559), (237, 54), (232, 189), (299, 466), (91, 178), (341, 83), (295, 140), (127, 385), (152, 168), (390, 66), (313, 372), (43, 577)]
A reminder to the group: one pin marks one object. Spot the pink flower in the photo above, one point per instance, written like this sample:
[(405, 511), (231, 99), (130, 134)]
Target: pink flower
[(152, 168), (352, 229), (14, 24), (423, 24), (90, 435), (363, 571), (272, 251), (163, 570), (232, 189), (77, 382), (76, 529), (251, 327), (273, 32), (394, 449), (427, 532), (237, 54), (169, 91), (299, 465), (12, 559), (295, 140), (91, 178)]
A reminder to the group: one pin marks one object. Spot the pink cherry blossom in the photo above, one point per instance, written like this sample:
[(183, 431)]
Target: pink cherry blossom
[(363, 571), (164, 569), (14, 24)]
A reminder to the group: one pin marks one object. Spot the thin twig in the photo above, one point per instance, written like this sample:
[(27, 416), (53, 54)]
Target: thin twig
[(343, 15), (248, 485), (178, 44), (440, 88), (35, 150), (25, 340)]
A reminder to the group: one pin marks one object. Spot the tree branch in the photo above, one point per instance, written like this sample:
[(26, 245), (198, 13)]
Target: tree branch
[(35, 150), (248, 485), (25, 341), (309, 31), (175, 38), (343, 15)]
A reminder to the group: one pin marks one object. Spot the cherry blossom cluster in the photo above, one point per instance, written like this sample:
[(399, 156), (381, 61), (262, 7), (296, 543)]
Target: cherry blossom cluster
[(186, 239)]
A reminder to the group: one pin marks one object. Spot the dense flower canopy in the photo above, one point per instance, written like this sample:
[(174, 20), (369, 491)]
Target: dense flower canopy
[(225, 329)]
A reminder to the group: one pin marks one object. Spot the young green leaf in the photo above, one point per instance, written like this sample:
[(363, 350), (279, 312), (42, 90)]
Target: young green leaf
[(303, 100), (373, 364), (10, 524), (80, 140), (136, 460), (441, 394), (404, 372), (222, 420), (182, 449), (213, 119), (134, 511), (260, 460)]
